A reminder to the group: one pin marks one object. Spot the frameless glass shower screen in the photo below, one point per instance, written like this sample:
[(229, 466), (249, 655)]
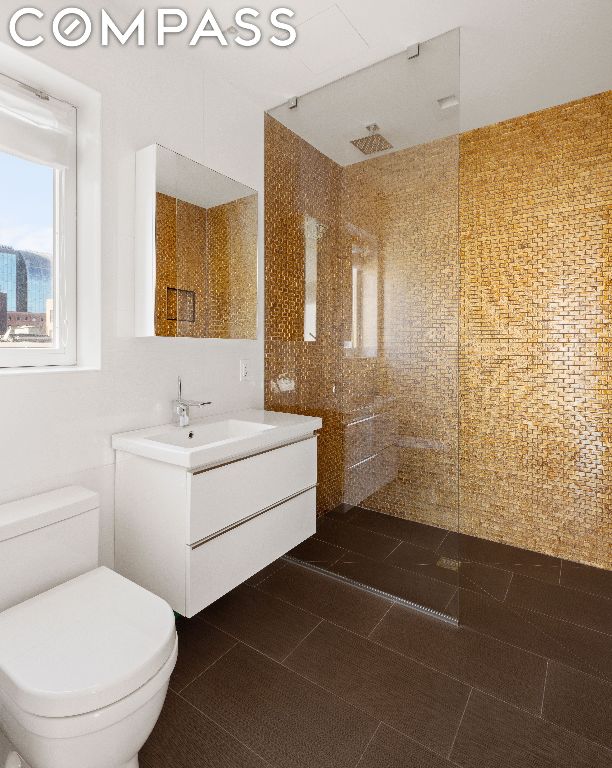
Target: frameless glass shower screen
[(362, 309)]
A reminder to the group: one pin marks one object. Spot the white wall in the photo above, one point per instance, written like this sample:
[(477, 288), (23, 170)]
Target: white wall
[(55, 428)]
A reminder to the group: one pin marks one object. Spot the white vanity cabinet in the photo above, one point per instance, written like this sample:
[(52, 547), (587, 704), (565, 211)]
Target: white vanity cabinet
[(191, 535)]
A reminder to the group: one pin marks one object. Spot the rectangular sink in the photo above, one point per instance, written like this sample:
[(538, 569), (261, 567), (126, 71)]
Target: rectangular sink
[(215, 440), (200, 435)]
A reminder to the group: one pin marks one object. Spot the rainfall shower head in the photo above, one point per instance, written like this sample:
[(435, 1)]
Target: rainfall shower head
[(372, 143)]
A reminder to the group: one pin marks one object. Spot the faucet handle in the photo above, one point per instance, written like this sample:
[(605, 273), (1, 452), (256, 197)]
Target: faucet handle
[(192, 403)]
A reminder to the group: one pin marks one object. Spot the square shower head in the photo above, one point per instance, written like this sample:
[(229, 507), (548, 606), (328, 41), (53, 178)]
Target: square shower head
[(374, 142)]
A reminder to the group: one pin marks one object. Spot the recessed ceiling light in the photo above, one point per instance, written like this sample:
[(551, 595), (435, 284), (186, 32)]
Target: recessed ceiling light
[(448, 101), (231, 30)]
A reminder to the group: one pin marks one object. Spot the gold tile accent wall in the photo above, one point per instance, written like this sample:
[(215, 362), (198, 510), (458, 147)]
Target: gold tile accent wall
[(492, 256), (206, 261), (300, 181), (407, 203), (536, 327)]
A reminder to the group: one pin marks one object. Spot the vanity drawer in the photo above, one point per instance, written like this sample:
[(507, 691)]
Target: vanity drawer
[(225, 495), (220, 564)]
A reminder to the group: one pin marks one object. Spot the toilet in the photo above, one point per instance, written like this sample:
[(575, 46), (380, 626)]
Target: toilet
[(85, 654)]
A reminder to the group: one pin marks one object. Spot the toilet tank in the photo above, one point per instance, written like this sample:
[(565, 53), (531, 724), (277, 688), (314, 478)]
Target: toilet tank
[(46, 540)]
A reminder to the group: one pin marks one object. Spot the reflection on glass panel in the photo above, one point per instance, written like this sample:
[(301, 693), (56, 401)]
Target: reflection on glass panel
[(312, 235), (364, 297)]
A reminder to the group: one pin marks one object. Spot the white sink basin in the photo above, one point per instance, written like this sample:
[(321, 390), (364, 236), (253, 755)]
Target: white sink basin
[(216, 440), (198, 435)]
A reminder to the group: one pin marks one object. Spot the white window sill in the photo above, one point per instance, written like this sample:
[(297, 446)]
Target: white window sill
[(34, 369)]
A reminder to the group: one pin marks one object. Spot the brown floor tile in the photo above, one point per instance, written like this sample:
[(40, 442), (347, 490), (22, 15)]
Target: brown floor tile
[(355, 539), (183, 738), (580, 703), (474, 576), (548, 572), (418, 534), (327, 598), (265, 572), (471, 549), (552, 638), (570, 605), (390, 749), (509, 673), (422, 561), (485, 578), (496, 735), (271, 626), (317, 552), (586, 578), (288, 721), (200, 645), (418, 701), (396, 581)]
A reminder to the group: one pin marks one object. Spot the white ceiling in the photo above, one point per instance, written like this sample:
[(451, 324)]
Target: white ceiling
[(517, 56)]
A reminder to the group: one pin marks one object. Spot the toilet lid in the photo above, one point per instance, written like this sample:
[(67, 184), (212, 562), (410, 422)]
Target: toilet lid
[(83, 645)]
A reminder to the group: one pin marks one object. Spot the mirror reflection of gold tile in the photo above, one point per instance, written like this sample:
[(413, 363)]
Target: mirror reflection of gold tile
[(206, 269)]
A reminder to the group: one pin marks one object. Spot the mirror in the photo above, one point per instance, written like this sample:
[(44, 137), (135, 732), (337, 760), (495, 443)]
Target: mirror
[(196, 250)]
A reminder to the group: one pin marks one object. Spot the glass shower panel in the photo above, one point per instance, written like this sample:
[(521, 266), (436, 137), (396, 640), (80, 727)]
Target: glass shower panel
[(362, 313)]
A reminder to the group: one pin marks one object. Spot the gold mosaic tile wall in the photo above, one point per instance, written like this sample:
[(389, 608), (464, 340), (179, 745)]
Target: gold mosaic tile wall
[(300, 181), (514, 254), (206, 262), (536, 326), (407, 202)]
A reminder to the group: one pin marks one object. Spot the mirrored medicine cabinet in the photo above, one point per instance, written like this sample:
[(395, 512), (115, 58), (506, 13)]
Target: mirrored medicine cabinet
[(196, 250)]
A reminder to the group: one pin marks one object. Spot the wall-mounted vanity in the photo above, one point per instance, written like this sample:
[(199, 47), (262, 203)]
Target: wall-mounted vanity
[(196, 250), (200, 509)]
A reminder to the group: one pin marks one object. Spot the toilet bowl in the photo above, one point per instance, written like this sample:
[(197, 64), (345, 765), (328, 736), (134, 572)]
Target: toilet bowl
[(84, 666), (84, 671)]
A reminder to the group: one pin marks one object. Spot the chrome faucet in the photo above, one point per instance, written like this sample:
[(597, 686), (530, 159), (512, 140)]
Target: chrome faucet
[(180, 407)]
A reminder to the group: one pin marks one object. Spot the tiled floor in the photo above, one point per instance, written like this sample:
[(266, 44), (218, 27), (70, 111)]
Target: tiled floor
[(296, 669)]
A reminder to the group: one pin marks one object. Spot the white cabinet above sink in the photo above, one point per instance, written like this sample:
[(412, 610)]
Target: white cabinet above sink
[(200, 509)]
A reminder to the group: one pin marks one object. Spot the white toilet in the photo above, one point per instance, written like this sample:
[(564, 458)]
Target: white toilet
[(84, 666)]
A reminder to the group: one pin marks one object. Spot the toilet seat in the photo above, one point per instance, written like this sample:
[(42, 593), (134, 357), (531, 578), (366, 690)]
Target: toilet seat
[(83, 646)]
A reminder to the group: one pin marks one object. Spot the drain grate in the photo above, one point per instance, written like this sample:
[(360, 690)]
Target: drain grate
[(448, 563), (373, 591)]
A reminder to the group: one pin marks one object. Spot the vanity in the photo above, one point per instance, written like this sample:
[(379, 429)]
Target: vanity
[(200, 509)]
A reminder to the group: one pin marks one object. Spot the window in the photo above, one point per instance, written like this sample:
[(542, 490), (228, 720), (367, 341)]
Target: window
[(38, 149)]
